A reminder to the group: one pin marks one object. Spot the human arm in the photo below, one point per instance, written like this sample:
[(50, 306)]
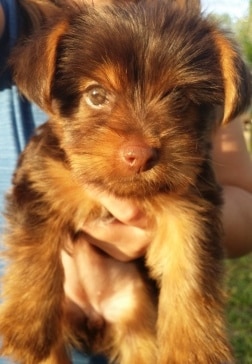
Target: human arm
[(233, 167)]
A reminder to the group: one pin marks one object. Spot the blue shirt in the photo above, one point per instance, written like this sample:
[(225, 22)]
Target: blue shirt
[(18, 118)]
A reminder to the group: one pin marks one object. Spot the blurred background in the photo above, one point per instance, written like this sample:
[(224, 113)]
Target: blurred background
[(237, 16)]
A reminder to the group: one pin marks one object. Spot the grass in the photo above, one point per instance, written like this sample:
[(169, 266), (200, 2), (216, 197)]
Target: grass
[(239, 308)]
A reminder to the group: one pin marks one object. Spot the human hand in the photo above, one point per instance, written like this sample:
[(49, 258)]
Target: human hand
[(127, 236), (94, 281), (97, 284)]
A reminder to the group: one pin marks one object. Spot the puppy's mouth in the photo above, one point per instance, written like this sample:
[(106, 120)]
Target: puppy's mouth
[(136, 187), (137, 182), (134, 170)]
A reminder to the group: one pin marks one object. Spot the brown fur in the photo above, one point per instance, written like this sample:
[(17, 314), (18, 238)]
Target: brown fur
[(171, 77)]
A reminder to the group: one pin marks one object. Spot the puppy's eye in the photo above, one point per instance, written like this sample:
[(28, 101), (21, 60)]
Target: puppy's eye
[(96, 96)]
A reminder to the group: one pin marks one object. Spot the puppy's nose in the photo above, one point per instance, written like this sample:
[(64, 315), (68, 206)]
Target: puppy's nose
[(138, 158)]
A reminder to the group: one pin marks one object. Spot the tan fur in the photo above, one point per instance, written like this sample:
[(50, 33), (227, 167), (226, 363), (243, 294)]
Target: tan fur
[(181, 222)]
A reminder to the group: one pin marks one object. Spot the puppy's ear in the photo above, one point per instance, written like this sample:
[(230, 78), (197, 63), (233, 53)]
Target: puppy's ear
[(33, 65), (236, 76)]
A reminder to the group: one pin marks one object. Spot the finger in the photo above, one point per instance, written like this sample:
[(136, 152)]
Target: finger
[(126, 211), (121, 241)]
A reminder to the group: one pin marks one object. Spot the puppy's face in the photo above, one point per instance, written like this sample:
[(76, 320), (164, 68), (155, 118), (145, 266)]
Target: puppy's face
[(136, 92)]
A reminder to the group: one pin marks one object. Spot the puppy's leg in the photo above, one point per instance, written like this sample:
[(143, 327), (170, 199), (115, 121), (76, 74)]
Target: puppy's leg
[(31, 313), (135, 339), (44, 207), (186, 259)]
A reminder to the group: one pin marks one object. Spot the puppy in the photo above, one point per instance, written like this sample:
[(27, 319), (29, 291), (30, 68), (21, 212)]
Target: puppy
[(134, 93)]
